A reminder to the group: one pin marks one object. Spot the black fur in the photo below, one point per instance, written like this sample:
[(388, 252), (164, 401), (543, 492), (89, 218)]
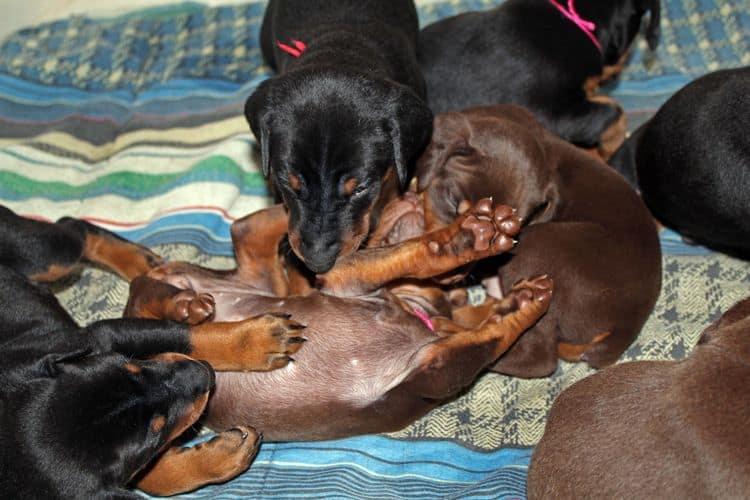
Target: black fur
[(74, 422), (351, 107), (691, 161), (526, 52)]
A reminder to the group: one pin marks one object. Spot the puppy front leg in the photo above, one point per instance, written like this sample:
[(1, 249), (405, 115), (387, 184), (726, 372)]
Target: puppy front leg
[(256, 238), (481, 231), (260, 343), (179, 470)]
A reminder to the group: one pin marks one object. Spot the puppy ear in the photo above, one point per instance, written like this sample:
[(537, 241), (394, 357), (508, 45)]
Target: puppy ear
[(654, 25), (49, 365), (449, 134), (410, 127), (259, 120)]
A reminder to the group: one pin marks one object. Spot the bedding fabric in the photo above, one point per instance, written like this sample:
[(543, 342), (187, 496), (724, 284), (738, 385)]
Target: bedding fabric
[(135, 123)]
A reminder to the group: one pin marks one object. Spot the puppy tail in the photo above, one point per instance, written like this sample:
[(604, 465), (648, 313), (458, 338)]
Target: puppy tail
[(624, 158)]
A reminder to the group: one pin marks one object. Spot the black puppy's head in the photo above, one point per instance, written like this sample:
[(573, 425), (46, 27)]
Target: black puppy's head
[(618, 23), (94, 421), (337, 147), (491, 151)]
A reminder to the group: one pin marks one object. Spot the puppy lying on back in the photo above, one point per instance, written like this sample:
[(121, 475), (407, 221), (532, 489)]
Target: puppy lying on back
[(691, 161), (546, 55), (340, 124), (583, 225), (381, 350), (655, 429)]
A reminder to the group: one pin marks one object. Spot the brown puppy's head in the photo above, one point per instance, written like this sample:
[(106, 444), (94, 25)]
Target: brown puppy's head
[(618, 22), (731, 330), (494, 151), (328, 141)]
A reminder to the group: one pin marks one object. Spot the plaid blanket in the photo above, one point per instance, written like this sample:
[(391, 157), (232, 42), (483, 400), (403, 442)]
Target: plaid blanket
[(135, 123)]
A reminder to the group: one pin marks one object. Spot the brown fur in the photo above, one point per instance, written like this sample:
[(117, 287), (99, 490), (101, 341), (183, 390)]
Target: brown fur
[(369, 365), (655, 429), (583, 225)]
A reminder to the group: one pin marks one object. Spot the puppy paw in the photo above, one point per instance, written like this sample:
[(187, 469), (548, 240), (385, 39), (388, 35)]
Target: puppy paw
[(267, 342), (191, 307), (226, 455), (482, 230)]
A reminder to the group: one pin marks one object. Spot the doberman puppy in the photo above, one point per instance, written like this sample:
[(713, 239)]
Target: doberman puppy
[(84, 411), (370, 364), (546, 55), (341, 123), (691, 161), (655, 429), (583, 225)]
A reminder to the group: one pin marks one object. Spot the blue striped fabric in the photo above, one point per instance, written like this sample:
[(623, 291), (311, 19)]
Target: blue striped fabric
[(376, 467), (84, 102)]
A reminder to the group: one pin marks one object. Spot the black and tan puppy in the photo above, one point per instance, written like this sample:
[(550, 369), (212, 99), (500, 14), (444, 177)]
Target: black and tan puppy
[(546, 55), (655, 429), (85, 411), (691, 161), (345, 115), (583, 225)]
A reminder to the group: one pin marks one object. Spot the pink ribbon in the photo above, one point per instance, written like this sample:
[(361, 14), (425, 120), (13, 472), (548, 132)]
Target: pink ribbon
[(425, 319), (296, 51), (586, 26)]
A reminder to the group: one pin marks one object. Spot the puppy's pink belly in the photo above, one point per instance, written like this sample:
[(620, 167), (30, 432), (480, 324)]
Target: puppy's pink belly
[(357, 350)]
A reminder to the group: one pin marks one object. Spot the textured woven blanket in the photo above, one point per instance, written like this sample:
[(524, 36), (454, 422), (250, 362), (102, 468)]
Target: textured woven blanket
[(136, 123)]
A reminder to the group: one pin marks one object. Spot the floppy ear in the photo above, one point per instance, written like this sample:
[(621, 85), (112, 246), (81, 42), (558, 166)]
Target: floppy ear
[(258, 118), (449, 134), (410, 126), (48, 366), (654, 29)]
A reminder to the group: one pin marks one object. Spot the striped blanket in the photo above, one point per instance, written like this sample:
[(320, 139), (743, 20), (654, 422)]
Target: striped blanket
[(135, 123)]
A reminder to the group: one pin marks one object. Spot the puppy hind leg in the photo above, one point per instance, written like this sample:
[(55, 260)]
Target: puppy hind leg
[(156, 299), (106, 249), (453, 361)]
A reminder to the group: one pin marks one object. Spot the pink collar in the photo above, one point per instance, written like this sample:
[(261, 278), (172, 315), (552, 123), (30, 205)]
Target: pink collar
[(586, 26), (296, 51), (425, 319)]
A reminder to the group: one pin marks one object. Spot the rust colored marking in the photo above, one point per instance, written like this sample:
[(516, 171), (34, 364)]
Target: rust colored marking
[(295, 182), (132, 368), (573, 352), (349, 186), (126, 259), (54, 273), (158, 423)]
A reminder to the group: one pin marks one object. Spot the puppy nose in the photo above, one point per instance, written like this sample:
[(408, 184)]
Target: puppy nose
[(320, 254)]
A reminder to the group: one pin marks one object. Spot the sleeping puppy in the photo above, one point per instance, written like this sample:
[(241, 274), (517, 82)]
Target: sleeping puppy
[(86, 411), (341, 122), (691, 161), (546, 55), (583, 225), (655, 429)]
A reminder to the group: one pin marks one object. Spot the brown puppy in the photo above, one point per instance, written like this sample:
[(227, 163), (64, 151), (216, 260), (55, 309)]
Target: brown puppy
[(584, 226), (370, 363), (655, 429)]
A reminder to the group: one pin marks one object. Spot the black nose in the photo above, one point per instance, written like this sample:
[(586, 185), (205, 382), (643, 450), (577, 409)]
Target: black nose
[(319, 254)]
